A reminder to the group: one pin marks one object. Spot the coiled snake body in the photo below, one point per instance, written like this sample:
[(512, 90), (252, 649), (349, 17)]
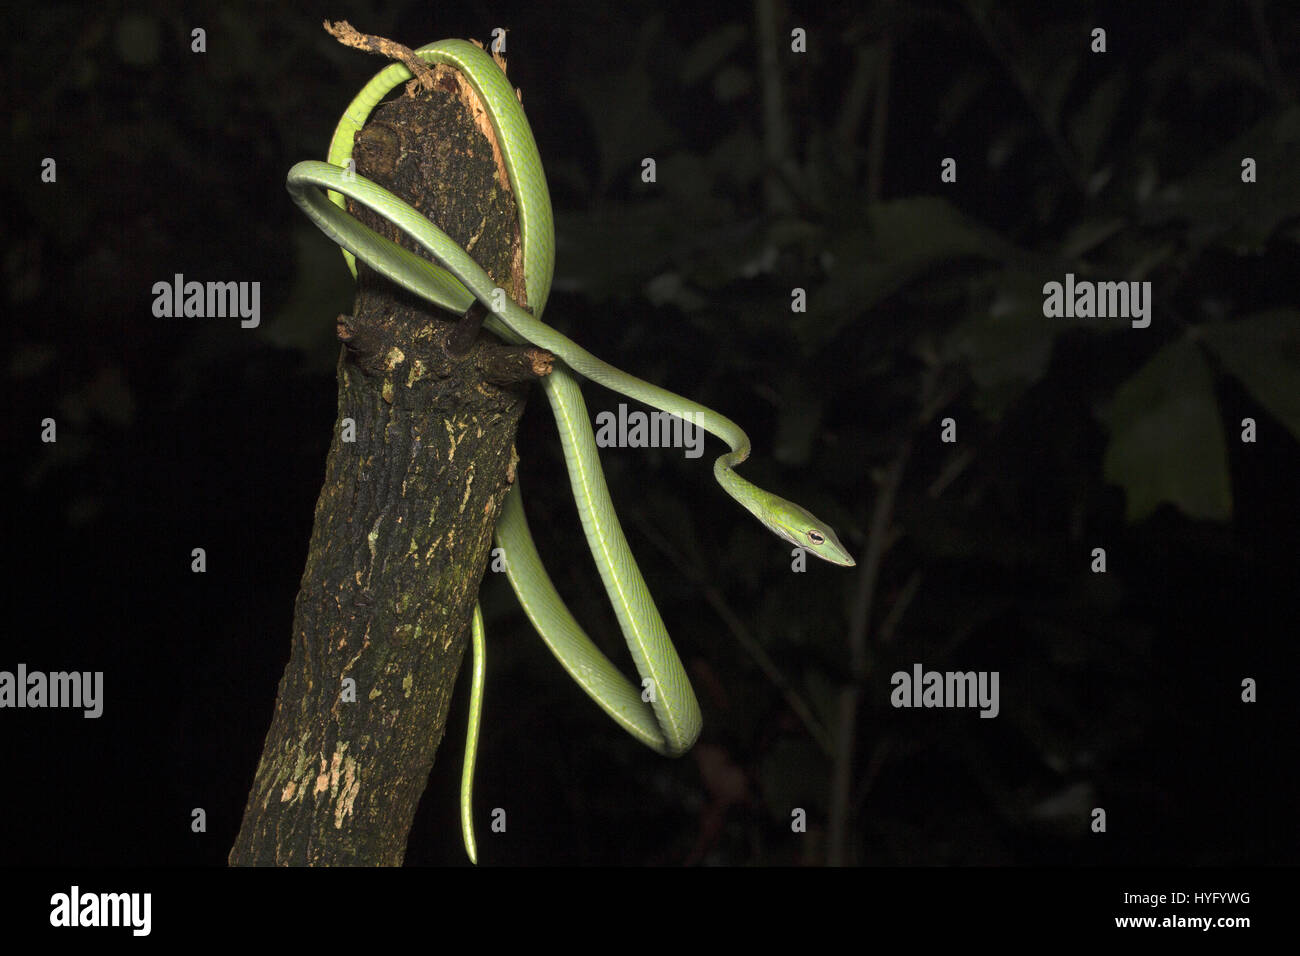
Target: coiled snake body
[(669, 721)]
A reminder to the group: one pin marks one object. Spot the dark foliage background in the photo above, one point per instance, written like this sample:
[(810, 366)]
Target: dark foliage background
[(1119, 691)]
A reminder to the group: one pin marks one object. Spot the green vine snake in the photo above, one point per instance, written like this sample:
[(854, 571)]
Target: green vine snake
[(664, 713)]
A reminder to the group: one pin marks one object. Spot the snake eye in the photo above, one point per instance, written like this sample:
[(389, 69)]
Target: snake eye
[(816, 537)]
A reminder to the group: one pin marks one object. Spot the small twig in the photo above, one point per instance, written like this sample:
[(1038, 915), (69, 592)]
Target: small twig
[(745, 639), (935, 401), (465, 331), (507, 366), (775, 138), (769, 668), (349, 35), (879, 122), (872, 773), (854, 104), (879, 536), (1077, 176), (955, 465), (1268, 51), (878, 539), (889, 626)]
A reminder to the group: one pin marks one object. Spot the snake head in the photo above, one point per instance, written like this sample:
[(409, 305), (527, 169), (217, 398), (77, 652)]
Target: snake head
[(804, 530)]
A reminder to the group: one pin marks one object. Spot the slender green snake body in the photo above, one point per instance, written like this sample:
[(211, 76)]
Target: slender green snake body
[(669, 721)]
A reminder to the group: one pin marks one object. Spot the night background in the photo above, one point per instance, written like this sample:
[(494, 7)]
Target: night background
[(1119, 690)]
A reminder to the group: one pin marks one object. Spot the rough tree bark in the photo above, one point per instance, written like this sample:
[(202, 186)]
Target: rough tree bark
[(404, 521)]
